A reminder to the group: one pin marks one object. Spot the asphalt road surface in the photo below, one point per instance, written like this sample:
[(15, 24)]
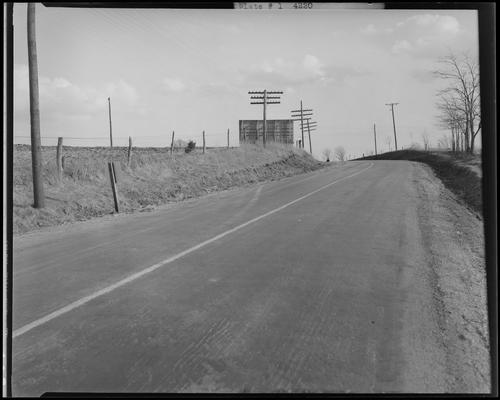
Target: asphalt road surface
[(307, 284)]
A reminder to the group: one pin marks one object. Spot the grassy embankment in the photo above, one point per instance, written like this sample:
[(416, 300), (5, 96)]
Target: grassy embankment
[(154, 177), (459, 173)]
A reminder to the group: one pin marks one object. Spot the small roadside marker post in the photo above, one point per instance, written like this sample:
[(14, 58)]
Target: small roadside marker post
[(129, 154), (59, 157)]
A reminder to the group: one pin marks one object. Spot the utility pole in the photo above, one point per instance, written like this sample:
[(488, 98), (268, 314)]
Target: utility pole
[(300, 115), (263, 97), (311, 126), (309, 133), (301, 121), (375, 137), (36, 150), (110, 129), (394, 124)]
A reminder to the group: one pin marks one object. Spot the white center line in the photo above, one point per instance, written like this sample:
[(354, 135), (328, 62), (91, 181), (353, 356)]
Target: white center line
[(137, 275)]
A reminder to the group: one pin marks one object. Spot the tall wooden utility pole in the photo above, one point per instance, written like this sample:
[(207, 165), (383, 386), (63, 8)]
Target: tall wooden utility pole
[(264, 130), (311, 126), (394, 124), (302, 122), (300, 115), (263, 97), (36, 151), (309, 133), (110, 128), (375, 137)]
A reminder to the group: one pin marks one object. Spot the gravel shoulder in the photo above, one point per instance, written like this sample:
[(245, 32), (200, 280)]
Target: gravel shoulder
[(456, 270)]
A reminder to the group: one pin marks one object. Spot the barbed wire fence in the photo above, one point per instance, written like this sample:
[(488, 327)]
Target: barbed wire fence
[(222, 140)]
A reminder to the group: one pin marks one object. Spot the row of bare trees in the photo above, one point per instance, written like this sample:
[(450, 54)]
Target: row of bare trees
[(339, 154), (459, 102)]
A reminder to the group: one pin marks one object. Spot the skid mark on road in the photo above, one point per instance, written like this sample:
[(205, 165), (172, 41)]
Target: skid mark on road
[(247, 207), (137, 275), (300, 344), (194, 363)]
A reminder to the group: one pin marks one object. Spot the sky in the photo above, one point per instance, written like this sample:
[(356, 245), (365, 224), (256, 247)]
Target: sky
[(191, 70)]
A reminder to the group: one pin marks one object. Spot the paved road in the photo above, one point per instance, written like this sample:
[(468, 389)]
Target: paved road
[(305, 284)]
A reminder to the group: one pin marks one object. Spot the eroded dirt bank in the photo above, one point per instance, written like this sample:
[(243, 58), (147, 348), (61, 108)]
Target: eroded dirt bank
[(454, 236)]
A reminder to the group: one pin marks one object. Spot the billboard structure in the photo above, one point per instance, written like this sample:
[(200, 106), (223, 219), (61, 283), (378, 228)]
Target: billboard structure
[(277, 130)]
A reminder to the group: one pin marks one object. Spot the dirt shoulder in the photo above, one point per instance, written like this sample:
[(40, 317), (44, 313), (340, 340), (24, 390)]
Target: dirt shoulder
[(459, 173), (455, 237)]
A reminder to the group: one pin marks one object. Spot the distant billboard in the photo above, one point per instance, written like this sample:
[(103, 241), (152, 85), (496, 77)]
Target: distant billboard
[(277, 130)]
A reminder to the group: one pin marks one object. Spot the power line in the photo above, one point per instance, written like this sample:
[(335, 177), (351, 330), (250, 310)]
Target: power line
[(263, 96), (300, 115)]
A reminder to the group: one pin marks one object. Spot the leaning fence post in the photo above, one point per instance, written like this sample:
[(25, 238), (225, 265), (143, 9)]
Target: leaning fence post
[(114, 171), (112, 178), (129, 154), (203, 142), (172, 143), (59, 157)]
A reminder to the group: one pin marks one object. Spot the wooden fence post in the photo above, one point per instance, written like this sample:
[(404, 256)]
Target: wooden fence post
[(59, 157), (172, 143), (203, 142), (228, 138), (129, 154), (114, 171), (112, 178)]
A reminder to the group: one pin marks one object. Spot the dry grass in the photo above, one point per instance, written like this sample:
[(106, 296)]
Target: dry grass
[(154, 177)]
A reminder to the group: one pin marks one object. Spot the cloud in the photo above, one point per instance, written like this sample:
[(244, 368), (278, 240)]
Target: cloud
[(440, 23), (216, 88), (369, 30), (314, 65), (401, 46), (124, 91), (372, 30), (425, 34), (280, 73), (173, 85), (61, 99), (423, 76)]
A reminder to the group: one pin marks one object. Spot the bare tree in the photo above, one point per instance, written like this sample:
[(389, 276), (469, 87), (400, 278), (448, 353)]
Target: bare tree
[(459, 102), (444, 143), (425, 139), (388, 141), (339, 153), (326, 154), (450, 117)]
